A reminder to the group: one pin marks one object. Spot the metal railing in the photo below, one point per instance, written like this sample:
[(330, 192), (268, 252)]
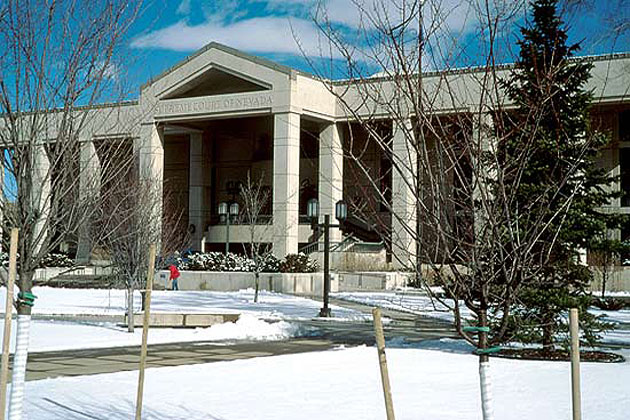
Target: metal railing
[(348, 244)]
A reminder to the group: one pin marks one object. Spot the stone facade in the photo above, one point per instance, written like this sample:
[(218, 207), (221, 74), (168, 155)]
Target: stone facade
[(238, 114)]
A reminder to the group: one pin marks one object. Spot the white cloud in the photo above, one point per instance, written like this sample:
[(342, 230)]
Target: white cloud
[(183, 8), (452, 14), (289, 21), (260, 35)]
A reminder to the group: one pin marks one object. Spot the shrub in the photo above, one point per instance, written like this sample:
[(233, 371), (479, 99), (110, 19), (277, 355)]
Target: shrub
[(298, 263), (54, 259), (269, 264), (217, 261), (609, 304)]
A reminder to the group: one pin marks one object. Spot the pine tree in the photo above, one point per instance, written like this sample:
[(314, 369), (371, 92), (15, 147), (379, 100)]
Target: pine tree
[(559, 182)]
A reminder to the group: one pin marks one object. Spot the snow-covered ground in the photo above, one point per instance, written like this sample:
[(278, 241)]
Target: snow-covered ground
[(62, 335), (421, 304), (270, 319), (405, 301), (343, 384), (112, 302), (622, 316)]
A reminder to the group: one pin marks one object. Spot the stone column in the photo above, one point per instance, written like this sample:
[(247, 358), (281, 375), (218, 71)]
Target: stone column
[(40, 193), (404, 199), (89, 191), (150, 150), (286, 180), (196, 199), (330, 174)]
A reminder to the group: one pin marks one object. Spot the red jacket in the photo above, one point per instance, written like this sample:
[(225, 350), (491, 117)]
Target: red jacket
[(174, 272)]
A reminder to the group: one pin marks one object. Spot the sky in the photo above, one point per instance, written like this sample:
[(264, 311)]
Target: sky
[(284, 30)]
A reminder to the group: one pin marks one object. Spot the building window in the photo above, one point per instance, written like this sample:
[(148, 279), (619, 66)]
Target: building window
[(624, 169), (625, 237), (624, 125)]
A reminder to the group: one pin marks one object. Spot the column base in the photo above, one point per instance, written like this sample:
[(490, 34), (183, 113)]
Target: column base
[(325, 313)]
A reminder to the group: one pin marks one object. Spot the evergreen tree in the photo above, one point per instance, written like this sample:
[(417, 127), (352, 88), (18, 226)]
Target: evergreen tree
[(558, 181)]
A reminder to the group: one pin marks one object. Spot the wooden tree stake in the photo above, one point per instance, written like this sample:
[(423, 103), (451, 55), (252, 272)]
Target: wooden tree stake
[(380, 345), (8, 309), (574, 327), (145, 330)]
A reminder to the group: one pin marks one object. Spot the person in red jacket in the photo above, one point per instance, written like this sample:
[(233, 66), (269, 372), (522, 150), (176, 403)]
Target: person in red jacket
[(174, 276)]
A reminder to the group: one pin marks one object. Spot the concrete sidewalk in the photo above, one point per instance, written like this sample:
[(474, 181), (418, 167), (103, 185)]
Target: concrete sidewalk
[(115, 359)]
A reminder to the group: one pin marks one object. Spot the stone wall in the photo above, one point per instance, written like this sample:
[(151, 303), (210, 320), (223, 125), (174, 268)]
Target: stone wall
[(350, 282), (618, 279)]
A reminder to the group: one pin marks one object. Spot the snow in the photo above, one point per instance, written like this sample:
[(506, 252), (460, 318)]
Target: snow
[(405, 301), (61, 335), (112, 302), (622, 316), (342, 383), (421, 304), (270, 319)]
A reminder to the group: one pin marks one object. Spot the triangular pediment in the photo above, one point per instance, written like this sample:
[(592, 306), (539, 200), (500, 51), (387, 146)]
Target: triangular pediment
[(216, 70), (214, 81)]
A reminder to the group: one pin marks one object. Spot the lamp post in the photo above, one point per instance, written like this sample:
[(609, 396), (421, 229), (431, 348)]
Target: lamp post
[(228, 211), (341, 213)]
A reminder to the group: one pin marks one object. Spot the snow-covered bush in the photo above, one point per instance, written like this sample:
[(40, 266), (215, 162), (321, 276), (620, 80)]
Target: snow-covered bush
[(235, 262), (298, 263), (54, 259), (269, 263), (217, 261), (4, 257)]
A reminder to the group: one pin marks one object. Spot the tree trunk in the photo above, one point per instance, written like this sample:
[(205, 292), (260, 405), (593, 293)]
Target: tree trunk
[(20, 357), (257, 286), (143, 300), (130, 309), (547, 336), (485, 383)]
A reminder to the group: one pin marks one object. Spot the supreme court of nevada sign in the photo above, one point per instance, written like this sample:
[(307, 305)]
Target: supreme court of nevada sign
[(210, 105)]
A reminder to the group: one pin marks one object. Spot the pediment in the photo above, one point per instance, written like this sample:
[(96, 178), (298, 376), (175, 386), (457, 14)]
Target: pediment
[(214, 80)]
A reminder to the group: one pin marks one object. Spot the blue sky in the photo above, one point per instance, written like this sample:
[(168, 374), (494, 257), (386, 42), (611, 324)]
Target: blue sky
[(169, 30)]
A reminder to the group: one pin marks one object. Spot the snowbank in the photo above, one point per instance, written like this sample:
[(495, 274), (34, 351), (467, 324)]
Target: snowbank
[(59, 335)]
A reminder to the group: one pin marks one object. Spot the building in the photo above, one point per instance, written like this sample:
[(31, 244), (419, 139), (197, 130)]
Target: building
[(203, 125)]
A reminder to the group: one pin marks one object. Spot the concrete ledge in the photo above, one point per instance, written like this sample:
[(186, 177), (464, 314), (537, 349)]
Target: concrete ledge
[(174, 320), (618, 278), (357, 281), (203, 320)]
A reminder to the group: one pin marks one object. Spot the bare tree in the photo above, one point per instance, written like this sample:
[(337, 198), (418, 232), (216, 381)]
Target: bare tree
[(440, 136), (255, 197), (124, 234), (57, 59)]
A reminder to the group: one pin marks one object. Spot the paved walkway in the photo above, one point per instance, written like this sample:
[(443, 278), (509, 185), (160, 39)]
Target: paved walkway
[(116, 359), (403, 325), (319, 334)]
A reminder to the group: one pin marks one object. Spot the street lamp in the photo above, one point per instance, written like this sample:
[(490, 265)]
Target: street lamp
[(228, 211), (341, 213)]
